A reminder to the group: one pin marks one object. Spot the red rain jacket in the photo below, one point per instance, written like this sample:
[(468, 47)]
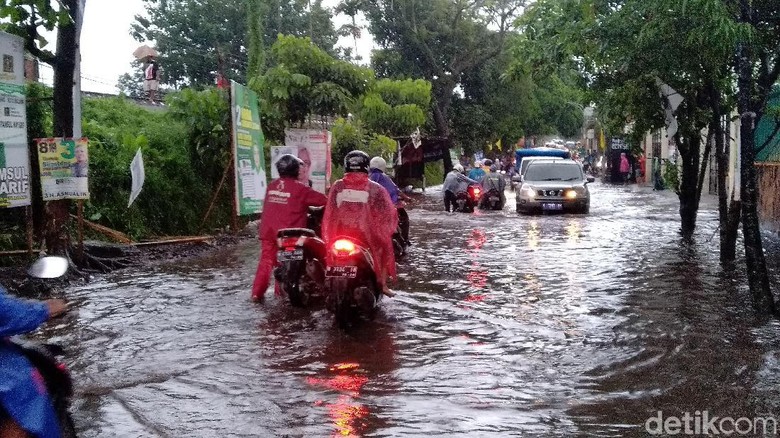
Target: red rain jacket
[(360, 208), (286, 204)]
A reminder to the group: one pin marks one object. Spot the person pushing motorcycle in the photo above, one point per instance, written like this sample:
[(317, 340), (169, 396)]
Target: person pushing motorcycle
[(455, 182), (25, 406), (286, 204), (362, 209)]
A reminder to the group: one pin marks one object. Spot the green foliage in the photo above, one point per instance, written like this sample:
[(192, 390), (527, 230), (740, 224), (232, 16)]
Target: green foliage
[(671, 175), (175, 193), (434, 174), (207, 115), (25, 17), (349, 135), (192, 44)]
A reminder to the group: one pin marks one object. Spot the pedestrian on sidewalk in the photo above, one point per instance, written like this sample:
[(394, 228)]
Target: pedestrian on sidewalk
[(625, 167)]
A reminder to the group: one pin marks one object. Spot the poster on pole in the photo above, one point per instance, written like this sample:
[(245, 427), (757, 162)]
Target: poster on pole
[(14, 155), (248, 159), (313, 147), (64, 164)]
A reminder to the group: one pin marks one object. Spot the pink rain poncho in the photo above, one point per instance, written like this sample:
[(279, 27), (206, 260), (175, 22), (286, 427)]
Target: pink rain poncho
[(362, 209)]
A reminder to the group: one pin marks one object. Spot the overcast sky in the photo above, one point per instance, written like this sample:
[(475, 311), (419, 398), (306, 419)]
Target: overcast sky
[(107, 47)]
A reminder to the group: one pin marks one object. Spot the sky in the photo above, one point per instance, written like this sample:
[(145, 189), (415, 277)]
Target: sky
[(107, 47)]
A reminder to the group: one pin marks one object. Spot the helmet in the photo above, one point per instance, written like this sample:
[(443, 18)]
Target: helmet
[(289, 165), (488, 162), (378, 163), (458, 167), (356, 161)]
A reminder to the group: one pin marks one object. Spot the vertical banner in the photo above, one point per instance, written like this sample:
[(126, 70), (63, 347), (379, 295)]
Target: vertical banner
[(14, 153), (313, 147), (249, 162), (64, 164)]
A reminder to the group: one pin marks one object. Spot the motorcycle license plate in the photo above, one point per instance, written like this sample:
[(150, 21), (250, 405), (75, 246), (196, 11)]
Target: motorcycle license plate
[(493, 199), (552, 206), (289, 256), (341, 271)]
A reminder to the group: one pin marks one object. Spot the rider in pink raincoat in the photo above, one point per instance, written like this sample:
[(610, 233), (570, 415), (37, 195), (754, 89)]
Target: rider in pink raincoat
[(361, 209)]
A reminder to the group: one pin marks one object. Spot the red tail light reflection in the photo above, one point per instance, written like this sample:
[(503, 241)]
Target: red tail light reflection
[(345, 412)]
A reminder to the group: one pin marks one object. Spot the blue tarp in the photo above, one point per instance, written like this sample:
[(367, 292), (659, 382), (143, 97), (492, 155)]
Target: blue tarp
[(539, 152), (766, 127)]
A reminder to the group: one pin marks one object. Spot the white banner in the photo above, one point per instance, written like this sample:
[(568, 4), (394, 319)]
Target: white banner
[(138, 174)]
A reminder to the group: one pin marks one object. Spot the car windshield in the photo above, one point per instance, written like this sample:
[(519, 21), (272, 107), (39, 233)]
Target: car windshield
[(550, 171), (527, 162)]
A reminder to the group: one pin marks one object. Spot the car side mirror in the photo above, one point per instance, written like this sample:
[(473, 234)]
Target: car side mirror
[(590, 179)]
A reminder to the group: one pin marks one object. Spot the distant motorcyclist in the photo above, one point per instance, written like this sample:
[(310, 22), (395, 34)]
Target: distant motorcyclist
[(362, 209), (478, 172), (25, 406), (378, 166), (493, 181), (286, 205), (454, 183)]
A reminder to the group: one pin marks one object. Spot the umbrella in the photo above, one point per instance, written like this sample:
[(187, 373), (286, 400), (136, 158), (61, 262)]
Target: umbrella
[(144, 52)]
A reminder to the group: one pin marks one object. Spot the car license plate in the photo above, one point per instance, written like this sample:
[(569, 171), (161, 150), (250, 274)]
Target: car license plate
[(289, 256), (341, 271), (552, 206)]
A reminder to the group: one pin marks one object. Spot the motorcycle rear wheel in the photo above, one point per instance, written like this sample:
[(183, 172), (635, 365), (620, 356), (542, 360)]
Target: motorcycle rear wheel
[(294, 292)]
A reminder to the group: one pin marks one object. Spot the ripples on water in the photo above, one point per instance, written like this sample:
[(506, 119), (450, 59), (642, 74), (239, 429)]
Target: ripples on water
[(553, 325)]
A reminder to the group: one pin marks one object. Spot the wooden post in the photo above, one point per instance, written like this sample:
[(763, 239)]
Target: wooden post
[(81, 230), (232, 169), (29, 221)]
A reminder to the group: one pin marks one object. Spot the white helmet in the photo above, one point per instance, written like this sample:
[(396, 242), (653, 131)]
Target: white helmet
[(378, 163), (458, 167)]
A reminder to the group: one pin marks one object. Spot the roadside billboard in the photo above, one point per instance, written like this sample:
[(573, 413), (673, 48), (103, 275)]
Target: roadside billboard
[(314, 148), (14, 154), (64, 164), (248, 141)]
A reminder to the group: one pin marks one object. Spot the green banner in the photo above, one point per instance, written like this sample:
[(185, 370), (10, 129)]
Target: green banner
[(248, 143)]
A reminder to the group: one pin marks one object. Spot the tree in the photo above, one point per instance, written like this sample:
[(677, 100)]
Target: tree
[(26, 18), (193, 44), (439, 40), (758, 69), (351, 8), (624, 49)]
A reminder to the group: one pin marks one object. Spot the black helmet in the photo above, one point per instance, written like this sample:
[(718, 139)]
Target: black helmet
[(289, 165), (356, 161), (488, 162)]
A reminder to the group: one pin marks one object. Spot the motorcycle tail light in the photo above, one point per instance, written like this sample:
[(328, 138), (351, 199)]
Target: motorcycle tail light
[(475, 191), (62, 367), (343, 247)]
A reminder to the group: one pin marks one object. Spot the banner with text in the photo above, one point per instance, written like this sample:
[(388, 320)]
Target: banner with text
[(14, 155), (313, 148), (248, 142), (64, 164)]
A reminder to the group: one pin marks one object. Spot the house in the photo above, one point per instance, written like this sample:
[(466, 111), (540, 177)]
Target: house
[(768, 164)]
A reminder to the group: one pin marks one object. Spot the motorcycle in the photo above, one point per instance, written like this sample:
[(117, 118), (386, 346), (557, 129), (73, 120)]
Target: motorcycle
[(352, 289), (301, 258), (467, 200), (491, 200), (44, 357)]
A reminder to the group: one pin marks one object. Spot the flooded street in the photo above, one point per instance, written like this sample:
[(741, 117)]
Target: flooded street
[(503, 325)]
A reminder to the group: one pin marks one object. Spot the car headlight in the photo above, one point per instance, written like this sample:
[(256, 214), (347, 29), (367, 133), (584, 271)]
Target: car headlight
[(571, 194), (528, 192)]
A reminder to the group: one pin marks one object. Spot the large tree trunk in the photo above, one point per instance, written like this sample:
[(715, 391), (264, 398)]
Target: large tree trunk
[(56, 212), (689, 186), (728, 208), (442, 95), (758, 276)]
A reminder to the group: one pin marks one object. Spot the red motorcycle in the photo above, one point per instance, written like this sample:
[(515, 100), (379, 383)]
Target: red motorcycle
[(301, 257)]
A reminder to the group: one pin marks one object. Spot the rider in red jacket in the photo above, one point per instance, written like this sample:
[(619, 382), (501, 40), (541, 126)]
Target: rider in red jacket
[(287, 202)]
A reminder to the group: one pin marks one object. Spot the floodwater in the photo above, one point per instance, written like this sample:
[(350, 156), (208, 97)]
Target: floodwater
[(503, 326)]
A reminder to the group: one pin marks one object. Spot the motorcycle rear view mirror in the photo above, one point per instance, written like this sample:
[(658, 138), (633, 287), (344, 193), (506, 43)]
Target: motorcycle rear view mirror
[(590, 179), (49, 267)]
